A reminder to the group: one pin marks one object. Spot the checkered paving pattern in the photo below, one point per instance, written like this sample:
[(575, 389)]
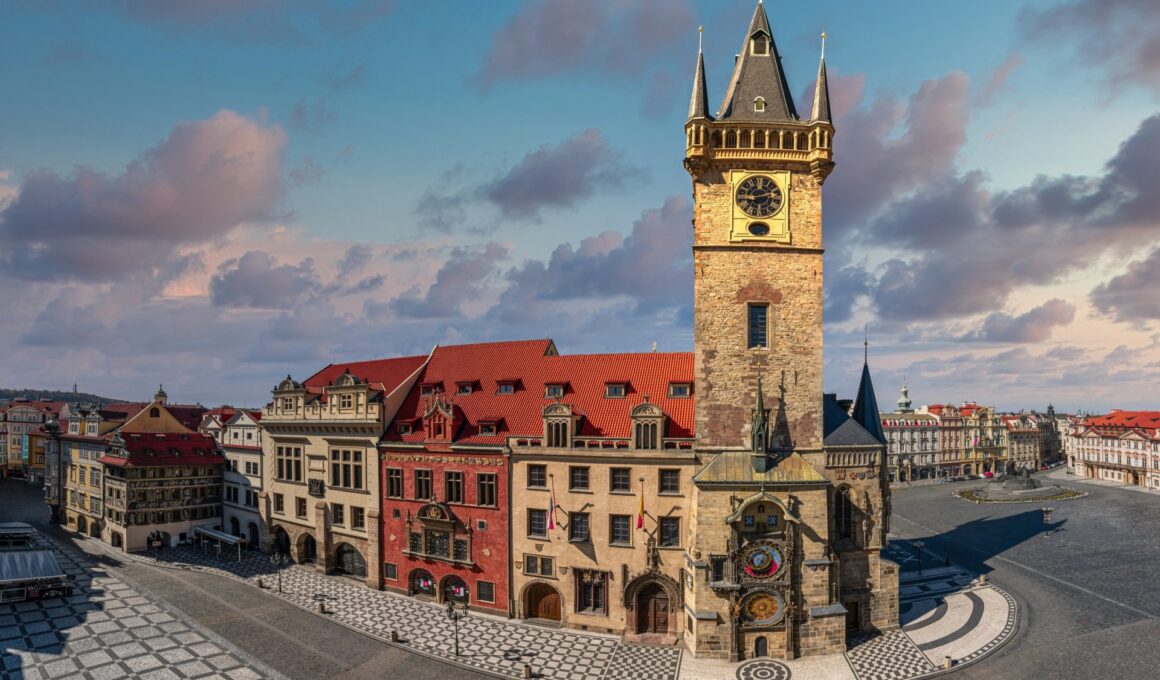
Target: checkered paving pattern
[(490, 644), (892, 656), (1002, 637), (107, 629)]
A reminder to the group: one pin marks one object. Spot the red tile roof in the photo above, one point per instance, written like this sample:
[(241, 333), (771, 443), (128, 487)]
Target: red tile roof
[(382, 374), (532, 364), (187, 415), (155, 450), (1122, 419)]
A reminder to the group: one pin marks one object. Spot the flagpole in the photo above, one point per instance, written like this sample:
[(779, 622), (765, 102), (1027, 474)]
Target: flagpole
[(552, 503), (640, 507)]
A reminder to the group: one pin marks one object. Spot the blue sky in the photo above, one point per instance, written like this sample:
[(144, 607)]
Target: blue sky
[(449, 172)]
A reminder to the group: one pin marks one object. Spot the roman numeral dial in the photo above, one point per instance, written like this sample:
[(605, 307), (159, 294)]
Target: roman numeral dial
[(759, 196)]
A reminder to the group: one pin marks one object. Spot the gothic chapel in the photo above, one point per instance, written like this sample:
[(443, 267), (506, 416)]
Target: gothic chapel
[(791, 503)]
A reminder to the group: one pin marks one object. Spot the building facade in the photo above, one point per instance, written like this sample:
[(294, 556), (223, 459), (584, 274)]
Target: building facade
[(790, 507), (1120, 446), (320, 500), (238, 433), (25, 437)]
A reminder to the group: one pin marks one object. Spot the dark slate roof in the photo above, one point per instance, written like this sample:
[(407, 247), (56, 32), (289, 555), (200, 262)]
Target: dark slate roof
[(840, 429), (699, 103), (833, 415), (822, 95), (866, 406), (758, 76)]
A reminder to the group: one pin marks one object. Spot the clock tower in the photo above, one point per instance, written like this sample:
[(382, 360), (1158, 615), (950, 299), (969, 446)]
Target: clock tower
[(776, 511)]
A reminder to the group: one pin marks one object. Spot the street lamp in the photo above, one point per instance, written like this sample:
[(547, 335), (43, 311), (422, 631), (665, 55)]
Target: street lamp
[(279, 560), (1047, 520), (455, 615), (155, 543), (918, 545)]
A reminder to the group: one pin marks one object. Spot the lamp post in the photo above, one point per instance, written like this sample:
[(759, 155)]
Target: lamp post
[(918, 545), (279, 560), (1047, 520), (155, 543), (455, 615)]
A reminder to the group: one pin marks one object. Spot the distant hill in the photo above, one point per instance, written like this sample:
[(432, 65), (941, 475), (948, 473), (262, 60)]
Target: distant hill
[(55, 395)]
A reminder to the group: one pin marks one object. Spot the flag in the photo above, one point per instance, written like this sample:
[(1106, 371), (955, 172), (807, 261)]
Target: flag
[(640, 512), (552, 509)]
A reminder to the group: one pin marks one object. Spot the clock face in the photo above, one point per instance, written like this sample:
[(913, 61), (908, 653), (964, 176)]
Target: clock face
[(759, 196)]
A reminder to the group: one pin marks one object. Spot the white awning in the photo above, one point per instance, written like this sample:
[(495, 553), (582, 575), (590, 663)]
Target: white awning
[(25, 565), (228, 539)]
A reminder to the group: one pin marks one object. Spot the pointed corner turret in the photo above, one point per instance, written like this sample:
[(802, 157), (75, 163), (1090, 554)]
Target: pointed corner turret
[(758, 90), (699, 102), (866, 404), (821, 110)]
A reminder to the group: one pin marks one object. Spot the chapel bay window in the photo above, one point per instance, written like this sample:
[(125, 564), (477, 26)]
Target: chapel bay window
[(435, 533)]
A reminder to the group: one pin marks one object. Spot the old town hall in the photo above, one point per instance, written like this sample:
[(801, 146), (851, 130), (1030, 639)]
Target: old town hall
[(715, 499)]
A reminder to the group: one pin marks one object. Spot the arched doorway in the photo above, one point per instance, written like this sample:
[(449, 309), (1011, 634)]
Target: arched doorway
[(542, 602), (252, 535), (349, 561), (281, 541), (454, 590), (117, 543), (307, 549), (95, 530), (235, 526), (82, 524), (421, 583), (760, 647), (652, 609)]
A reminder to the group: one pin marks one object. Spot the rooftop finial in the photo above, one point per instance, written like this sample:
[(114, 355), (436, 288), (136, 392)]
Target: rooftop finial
[(700, 37), (866, 344), (654, 346), (823, 44)]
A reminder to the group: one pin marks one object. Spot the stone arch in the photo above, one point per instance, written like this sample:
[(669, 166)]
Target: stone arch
[(668, 583), (453, 589), (536, 601), (82, 525), (421, 582), (306, 548), (95, 529), (281, 541), (348, 560)]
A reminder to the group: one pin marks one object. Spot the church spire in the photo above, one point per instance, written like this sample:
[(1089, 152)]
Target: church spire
[(758, 90), (866, 404), (822, 90), (699, 103)]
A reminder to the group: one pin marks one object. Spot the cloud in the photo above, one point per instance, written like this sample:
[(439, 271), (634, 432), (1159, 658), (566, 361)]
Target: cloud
[(463, 278), (1035, 325), (207, 177), (1133, 296), (547, 38), (308, 172), (558, 176), (311, 116), (257, 280), (998, 81), (1119, 35)]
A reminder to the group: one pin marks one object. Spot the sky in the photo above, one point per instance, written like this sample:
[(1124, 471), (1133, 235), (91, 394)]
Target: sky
[(213, 194)]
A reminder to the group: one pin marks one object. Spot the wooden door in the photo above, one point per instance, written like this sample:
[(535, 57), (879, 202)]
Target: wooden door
[(652, 607), (853, 616), (544, 603), (660, 614)]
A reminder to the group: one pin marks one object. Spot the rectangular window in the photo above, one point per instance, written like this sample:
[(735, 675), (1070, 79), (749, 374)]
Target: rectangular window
[(289, 463), (670, 532), (463, 388), (614, 390), (300, 506), (279, 503), (485, 591), (537, 523), (390, 571), (553, 391), (394, 483), (535, 565), (252, 468), (578, 527), (486, 428), (423, 485), (620, 529), (453, 487), (537, 476), (346, 401), (620, 480), (357, 519), (578, 478), (670, 481), (591, 588), (680, 390), (758, 326), (337, 514), (346, 469), (506, 388), (485, 490)]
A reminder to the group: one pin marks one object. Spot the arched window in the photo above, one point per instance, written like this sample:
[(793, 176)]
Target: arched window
[(558, 433), (646, 435), (745, 139), (844, 514), (760, 44), (759, 105), (731, 139)]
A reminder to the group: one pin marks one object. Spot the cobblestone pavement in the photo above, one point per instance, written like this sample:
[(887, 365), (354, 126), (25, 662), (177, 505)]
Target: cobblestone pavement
[(108, 629), (486, 643)]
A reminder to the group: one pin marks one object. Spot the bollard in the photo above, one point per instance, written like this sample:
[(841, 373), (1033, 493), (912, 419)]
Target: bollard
[(321, 607), (528, 671), (982, 579), (260, 584), (947, 663), (394, 636)]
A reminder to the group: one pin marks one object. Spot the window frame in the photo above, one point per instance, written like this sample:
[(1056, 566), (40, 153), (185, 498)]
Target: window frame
[(585, 471), (584, 520), (539, 513), (751, 328), (661, 524), (671, 473), (612, 473)]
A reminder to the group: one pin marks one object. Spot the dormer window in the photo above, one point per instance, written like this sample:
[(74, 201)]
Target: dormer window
[(680, 390), (506, 387), (287, 403), (554, 391), (404, 428), (430, 389), (759, 45), (463, 388), (487, 428), (346, 401), (759, 105), (614, 390)]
